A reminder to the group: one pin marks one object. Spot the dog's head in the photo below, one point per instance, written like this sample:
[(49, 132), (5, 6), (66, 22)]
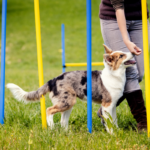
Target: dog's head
[(117, 59)]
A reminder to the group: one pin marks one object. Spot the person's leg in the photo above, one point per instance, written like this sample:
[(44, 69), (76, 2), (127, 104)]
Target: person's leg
[(136, 103), (135, 33), (135, 99), (112, 38)]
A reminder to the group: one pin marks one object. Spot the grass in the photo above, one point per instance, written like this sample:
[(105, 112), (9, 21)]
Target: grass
[(22, 128)]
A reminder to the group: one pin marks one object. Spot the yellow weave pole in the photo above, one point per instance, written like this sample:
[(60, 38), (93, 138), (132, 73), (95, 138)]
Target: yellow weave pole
[(146, 62), (39, 57), (83, 64)]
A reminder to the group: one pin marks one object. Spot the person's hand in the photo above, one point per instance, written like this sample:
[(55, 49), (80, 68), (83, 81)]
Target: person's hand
[(133, 48)]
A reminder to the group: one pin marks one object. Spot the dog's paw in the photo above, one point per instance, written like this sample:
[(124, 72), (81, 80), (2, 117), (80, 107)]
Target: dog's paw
[(64, 125), (109, 130), (50, 122)]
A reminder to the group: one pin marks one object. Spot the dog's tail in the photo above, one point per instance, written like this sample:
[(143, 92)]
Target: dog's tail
[(22, 95)]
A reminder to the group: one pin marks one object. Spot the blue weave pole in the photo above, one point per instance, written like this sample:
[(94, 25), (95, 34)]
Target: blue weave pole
[(63, 46), (3, 46), (89, 70)]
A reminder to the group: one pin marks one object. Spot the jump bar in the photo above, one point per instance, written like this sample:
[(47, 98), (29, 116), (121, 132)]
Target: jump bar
[(83, 64)]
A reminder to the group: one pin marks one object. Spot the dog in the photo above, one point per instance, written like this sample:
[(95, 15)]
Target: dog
[(107, 88)]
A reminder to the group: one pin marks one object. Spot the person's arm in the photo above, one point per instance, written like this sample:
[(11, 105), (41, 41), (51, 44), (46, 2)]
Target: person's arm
[(118, 5), (123, 29)]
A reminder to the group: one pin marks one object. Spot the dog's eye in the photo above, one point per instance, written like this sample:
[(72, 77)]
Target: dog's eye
[(121, 56)]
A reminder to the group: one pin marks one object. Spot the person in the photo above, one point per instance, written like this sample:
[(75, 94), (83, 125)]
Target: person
[(121, 28)]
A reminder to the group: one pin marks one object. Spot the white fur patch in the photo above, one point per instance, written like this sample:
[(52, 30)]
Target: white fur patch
[(17, 92), (50, 122), (65, 118), (114, 81)]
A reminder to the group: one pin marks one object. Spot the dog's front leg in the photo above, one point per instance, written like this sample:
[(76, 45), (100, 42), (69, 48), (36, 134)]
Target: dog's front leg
[(108, 118), (114, 116), (49, 119), (65, 118)]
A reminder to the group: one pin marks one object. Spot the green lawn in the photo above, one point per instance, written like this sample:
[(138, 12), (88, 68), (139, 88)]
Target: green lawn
[(22, 129)]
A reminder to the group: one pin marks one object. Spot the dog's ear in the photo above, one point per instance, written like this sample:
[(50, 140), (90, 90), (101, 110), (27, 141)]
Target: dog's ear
[(108, 58), (108, 50)]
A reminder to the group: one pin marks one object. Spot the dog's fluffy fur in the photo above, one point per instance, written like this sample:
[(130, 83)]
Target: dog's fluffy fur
[(107, 88)]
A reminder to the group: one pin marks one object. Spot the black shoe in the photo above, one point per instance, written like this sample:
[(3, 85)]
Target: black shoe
[(138, 110)]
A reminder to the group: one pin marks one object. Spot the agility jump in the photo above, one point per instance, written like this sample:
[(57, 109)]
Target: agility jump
[(39, 56), (3, 48), (146, 62), (64, 64), (88, 64)]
